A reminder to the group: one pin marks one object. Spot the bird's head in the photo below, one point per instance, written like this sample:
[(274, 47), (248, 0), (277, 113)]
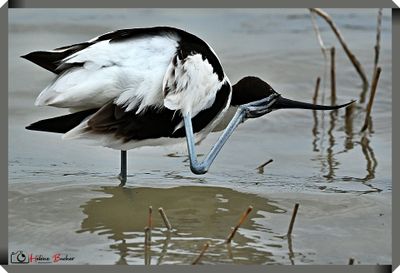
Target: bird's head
[(252, 89)]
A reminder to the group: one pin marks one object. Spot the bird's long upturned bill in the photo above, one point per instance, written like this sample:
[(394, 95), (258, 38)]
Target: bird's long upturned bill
[(283, 103)]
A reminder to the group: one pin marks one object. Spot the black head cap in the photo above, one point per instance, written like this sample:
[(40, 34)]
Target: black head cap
[(250, 89)]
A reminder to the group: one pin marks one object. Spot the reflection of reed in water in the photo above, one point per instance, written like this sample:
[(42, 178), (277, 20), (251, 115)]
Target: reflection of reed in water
[(164, 248), (371, 162), (315, 132), (369, 155), (349, 143), (329, 163), (330, 159), (290, 247), (348, 128), (199, 215)]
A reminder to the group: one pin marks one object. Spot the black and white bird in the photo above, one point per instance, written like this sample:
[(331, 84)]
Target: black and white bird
[(148, 87)]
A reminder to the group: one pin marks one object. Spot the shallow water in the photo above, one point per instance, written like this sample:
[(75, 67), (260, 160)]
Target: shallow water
[(62, 193), (105, 225)]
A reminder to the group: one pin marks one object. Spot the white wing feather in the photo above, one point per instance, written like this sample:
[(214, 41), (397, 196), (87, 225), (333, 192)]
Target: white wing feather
[(190, 85), (130, 72)]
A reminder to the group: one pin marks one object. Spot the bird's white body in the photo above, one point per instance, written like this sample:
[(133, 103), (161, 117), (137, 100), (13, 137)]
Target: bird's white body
[(136, 74)]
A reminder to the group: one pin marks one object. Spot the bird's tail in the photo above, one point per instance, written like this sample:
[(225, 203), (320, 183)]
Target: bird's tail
[(61, 124)]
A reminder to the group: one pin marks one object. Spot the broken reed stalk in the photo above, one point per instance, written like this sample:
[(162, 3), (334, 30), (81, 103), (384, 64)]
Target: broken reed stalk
[(165, 218), (296, 208), (377, 50), (203, 250), (333, 77), (147, 236), (316, 91), (150, 219), (261, 167), (371, 98), (318, 34), (242, 218), (378, 39), (350, 55), (351, 261)]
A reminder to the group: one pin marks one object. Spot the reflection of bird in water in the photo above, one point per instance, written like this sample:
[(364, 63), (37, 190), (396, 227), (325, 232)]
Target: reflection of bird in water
[(150, 86), (200, 214)]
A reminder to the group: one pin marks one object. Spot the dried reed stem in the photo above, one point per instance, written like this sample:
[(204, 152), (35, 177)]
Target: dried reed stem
[(324, 49), (150, 218), (203, 250), (261, 167), (165, 218), (333, 77), (242, 218), (316, 91), (377, 48), (371, 98), (346, 49), (378, 38), (296, 208)]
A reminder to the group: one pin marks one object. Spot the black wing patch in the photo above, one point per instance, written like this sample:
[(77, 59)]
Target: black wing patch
[(153, 123), (134, 33)]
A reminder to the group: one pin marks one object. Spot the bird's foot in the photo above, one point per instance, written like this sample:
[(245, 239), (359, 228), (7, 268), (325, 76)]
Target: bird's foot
[(259, 108), (123, 179)]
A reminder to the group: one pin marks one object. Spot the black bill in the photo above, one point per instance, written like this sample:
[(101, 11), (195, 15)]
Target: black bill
[(282, 103)]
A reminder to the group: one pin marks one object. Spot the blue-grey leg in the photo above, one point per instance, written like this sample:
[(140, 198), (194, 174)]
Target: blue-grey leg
[(251, 110), (202, 167), (123, 174)]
